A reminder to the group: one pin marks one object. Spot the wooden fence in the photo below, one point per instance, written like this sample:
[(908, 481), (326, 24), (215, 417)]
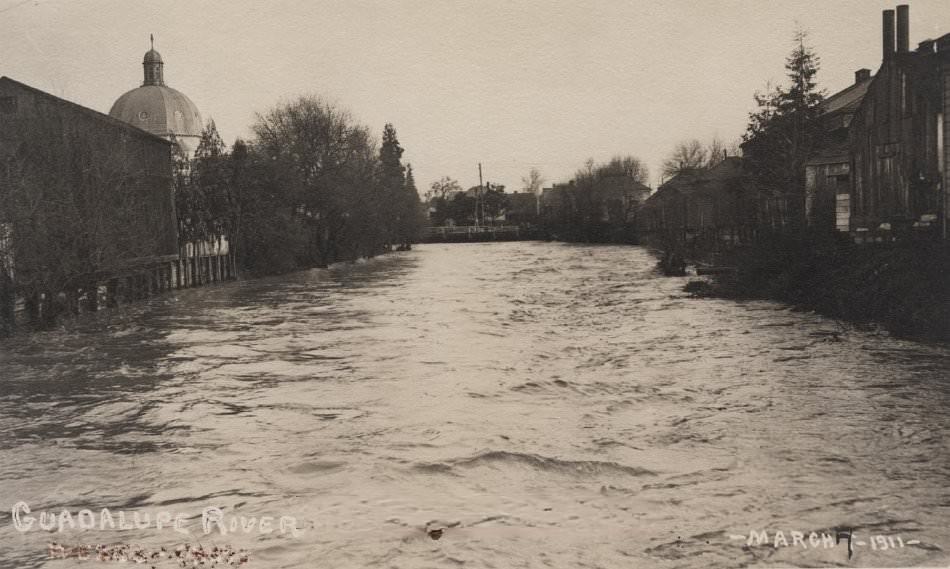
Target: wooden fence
[(197, 264)]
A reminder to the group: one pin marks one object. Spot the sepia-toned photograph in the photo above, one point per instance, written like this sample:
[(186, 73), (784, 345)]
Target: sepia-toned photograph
[(486, 284)]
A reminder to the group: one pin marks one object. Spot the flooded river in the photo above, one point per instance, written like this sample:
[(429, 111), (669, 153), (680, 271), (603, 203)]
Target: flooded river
[(543, 404)]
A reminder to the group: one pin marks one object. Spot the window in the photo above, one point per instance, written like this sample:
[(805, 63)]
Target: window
[(841, 184)]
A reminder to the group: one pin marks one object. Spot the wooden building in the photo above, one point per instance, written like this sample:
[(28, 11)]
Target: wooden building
[(900, 139), (522, 208), (708, 207), (828, 170), (84, 197)]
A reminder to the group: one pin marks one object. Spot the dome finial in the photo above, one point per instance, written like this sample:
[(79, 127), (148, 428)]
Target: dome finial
[(151, 39)]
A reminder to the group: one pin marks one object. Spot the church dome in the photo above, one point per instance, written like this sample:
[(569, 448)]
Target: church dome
[(159, 109)]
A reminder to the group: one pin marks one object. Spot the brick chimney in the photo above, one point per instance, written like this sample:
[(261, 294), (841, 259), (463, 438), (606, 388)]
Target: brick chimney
[(903, 28), (888, 33), (862, 75)]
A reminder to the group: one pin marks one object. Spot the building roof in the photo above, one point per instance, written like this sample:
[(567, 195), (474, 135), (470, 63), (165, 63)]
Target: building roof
[(525, 197), (715, 178), (846, 100), (160, 110), (84, 110)]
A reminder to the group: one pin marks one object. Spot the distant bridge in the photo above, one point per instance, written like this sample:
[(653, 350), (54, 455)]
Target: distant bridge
[(472, 233)]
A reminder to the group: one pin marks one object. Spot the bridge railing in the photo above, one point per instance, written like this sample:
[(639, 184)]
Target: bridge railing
[(471, 229)]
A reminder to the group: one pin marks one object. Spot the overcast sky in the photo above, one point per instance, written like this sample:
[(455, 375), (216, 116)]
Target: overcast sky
[(513, 85)]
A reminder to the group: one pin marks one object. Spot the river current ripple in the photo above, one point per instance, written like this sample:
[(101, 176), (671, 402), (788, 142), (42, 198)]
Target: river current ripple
[(549, 405)]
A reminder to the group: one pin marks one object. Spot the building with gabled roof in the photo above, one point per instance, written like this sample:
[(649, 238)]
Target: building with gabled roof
[(82, 194), (828, 169), (717, 205), (900, 139)]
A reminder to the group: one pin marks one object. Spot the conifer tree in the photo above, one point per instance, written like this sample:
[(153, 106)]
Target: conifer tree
[(392, 182), (784, 130)]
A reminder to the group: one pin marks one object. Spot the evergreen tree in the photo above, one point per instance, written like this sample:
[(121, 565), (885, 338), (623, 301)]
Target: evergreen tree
[(415, 214), (411, 181), (392, 185), (785, 129), (202, 189), (210, 177)]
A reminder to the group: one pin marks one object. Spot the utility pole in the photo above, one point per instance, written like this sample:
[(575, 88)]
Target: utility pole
[(478, 194)]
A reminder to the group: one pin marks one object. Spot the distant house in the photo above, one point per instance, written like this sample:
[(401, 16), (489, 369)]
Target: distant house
[(523, 208), (828, 169), (900, 139), (716, 205), (611, 199), (557, 202)]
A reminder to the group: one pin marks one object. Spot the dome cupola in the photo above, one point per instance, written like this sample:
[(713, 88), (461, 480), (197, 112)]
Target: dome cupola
[(153, 65), (159, 109)]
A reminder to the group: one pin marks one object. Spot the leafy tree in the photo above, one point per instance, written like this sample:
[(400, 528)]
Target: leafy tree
[(457, 209), (321, 169), (494, 201), (597, 204)]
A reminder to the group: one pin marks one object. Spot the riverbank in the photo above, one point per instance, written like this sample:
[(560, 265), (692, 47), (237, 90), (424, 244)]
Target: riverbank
[(903, 286)]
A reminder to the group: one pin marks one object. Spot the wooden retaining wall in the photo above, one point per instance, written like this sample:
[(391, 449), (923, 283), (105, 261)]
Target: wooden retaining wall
[(198, 264)]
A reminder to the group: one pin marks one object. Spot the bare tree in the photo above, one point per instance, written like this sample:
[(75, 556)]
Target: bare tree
[(691, 155), (686, 156), (626, 166), (715, 152), (533, 182), (442, 188)]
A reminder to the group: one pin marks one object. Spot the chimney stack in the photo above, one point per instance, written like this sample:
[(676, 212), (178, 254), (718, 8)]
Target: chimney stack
[(888, 33), (862, 75), (903, 28)]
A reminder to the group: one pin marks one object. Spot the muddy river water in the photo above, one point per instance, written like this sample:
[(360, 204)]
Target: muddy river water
[(543, 404)]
